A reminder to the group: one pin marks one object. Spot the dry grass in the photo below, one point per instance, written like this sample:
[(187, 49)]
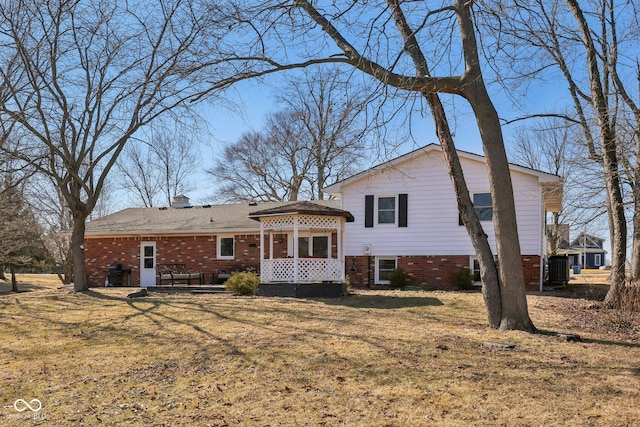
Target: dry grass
[(371, 359)]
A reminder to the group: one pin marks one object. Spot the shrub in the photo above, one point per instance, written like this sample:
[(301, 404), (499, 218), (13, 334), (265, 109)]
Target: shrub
[(464, 279), (243, 283), (398, 278)]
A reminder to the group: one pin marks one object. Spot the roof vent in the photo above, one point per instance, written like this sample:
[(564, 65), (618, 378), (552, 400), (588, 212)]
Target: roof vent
[(180, 201)]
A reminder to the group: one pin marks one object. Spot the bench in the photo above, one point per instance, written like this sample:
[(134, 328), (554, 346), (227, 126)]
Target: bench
[(178, 274)]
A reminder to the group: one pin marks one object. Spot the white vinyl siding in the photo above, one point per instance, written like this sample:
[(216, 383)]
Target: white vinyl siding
[(433, 228)]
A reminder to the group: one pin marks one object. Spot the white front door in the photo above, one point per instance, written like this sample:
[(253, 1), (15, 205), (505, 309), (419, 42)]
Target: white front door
[(147, 263)]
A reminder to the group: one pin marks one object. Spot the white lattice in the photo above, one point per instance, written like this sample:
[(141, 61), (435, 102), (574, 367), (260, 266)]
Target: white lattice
[(277, 270), (309, 270), (314, 221), (286, 222), (318, 269), (278, 222)]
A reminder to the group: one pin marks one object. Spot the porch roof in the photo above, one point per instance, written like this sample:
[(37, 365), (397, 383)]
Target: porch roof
[(302, 208)]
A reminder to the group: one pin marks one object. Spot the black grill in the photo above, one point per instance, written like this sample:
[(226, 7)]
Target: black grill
[(115, 275)]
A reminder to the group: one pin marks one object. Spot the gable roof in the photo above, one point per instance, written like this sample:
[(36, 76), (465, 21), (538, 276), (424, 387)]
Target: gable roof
[(302, 208), (551, 184), (587, 240), (196, 220)]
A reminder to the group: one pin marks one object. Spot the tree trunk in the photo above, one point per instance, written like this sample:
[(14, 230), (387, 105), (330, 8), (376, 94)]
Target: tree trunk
[(479, 240), (14, 281), (515, 313), (635, 252), (488, 267), (77, 247)]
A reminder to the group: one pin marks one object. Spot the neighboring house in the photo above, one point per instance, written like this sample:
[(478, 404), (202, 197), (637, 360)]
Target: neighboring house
[(400, 214), (406, 217), (586, 251)]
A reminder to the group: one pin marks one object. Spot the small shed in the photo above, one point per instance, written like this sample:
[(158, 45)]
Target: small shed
[(302, 250)]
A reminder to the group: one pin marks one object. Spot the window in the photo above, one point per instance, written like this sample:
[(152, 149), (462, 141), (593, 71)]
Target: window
[(597, 260), (386, 210), (475, 271), (148, 256), (319, 246), (482, 206), (384, 268), (225, 247), (386, 207)]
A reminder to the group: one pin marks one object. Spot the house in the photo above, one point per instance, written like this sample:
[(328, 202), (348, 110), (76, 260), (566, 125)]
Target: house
[(406, 217), (586, 251), (400, 214), (204, 241)]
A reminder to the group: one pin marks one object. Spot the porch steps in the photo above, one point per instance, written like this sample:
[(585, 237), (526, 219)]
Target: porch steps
[(194, 289)]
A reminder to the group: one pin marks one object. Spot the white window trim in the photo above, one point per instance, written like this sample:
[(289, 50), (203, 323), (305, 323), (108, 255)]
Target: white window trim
[(395, 211), (219, 247), (597, 260), (377, 267), (471, 260)]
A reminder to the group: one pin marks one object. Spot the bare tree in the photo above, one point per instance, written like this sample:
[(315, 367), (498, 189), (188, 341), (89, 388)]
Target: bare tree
[(509, 299), (331, 110), (318, 137), (363, 34), (553, 145), (81, 78), (582, 43), (272, 165), (156, 168), (136, 176)]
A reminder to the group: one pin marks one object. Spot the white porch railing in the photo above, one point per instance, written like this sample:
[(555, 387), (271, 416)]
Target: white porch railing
[(309, 270)]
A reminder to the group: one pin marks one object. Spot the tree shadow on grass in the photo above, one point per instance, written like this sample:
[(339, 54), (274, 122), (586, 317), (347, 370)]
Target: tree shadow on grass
[(564, 337), (5, 288), (389, 302), (150, 308), (592, 292)]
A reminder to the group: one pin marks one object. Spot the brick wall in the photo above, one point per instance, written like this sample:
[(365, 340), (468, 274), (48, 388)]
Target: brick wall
[(196, 252), (199, 253), (431, 272)]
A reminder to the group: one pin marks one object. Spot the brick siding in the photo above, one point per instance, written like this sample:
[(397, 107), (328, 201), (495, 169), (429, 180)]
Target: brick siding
[(431, 272), (198, 253)]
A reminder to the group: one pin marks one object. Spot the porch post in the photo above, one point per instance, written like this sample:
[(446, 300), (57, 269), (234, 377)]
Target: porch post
[(340, 254), (295, 249), (261, 248)]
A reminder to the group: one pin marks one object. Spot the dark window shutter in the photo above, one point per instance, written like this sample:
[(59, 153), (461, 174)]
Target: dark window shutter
[(402, 209), (368, 211)]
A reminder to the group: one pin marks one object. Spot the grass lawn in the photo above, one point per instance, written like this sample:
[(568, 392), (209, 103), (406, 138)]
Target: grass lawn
[(376, 358)]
